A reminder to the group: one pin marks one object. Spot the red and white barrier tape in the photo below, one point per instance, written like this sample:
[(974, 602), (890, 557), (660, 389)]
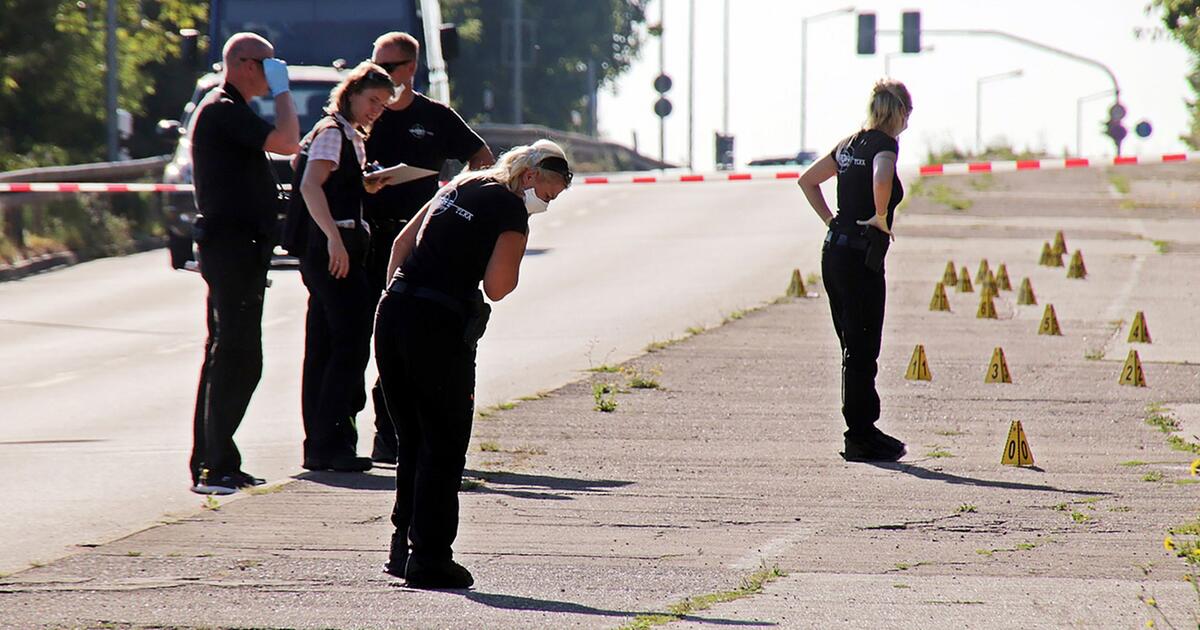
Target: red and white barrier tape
[(635, 178)]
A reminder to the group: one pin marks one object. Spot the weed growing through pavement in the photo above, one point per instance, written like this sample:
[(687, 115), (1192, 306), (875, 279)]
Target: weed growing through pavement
[(734, 316), (467, 485), (605, 395), (1134, 462), (211, 503), (1152, 476), (1119, 182), (605, 369), (900, 585), (260, 490), (938, 452), (983, 182), (1161, 418), (1162, 246), (506, 406), (947, 196), (1062, 507), (37, 564), (1183, 542), (639, 380), (655, 346), (949, 433), (489, 447), (750, 585), (1127, 204), (1180, 444), (812, 280), (967, 508), (692, 331), (1080, 518), (1120, 508), (1093, 354), (533, 397), (133, 554)]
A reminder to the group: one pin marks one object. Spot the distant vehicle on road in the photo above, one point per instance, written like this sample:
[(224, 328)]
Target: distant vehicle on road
[(802, 158), (316, 38)]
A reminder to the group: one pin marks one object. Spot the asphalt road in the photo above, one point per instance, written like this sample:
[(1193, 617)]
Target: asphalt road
[(99, 362)]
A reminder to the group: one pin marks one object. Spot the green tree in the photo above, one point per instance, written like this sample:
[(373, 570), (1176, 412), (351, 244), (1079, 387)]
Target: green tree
[(52, 71), (1182, 19), (563, 37)]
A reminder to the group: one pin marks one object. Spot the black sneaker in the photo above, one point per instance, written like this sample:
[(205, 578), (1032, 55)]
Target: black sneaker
[(217, 484), (446, 574), (873, 448), (247, 479), (397, 557), (345, 463)]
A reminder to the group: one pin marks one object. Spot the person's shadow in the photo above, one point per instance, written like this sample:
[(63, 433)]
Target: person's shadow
[(516, 602), (937, 475), (512, 484)]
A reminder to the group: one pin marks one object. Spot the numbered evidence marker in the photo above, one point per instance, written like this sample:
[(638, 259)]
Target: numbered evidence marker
[(796, 287), (997, 371), (989, 284), (964, 282), (1077, 270), (987, 308), (949, 277), (1002, 280), (1016, 447), (1026, 296), (1131, 372), (1049, 258), (939, 301), (1139, 332), (1049, 325), (918, 367), (1060, 244), (983, 271)]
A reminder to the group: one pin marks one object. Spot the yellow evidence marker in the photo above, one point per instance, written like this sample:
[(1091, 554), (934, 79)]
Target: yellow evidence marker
[(939, 301), (964, 282), (949, 277), (1026, 296), (796, 287), (983, 271), (997, 371), (987, 308), (1060, 244), (1077, 270), (1139, 332), (918, 367), (1016, 447), (1049, 325), (1047, 255), (1002, 280), (1131, 372)]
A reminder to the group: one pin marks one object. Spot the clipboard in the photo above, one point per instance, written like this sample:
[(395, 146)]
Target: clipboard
[(399, 174)]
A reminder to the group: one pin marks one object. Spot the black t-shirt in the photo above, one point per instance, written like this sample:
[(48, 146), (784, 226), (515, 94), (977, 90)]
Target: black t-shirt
[(424, 134), (855, 159), (459, 234), (235, 189)]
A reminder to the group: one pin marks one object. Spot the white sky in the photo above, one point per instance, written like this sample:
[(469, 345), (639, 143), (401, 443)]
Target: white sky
[(1036, 110)]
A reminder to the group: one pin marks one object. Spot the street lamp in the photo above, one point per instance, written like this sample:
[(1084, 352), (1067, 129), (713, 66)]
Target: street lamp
[(1079, 117), (887, 59), (804, 62), (979, 100)]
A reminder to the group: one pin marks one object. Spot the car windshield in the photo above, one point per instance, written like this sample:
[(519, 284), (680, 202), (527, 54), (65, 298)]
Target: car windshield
[(310, 98)]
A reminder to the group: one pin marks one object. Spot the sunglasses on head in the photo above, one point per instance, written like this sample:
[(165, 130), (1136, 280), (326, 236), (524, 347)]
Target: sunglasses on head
[(390, 66), (559, 167)]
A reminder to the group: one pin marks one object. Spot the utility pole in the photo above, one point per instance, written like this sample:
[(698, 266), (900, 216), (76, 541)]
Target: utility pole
[(110, 62), (691, 75), (725, 99), (518, 104), (662, 50)]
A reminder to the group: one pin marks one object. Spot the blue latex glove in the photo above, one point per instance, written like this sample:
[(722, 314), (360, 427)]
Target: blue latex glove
[(277, 75)]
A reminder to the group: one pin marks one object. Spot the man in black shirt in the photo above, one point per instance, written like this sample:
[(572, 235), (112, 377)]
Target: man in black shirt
[(236, 199), (417, 131)]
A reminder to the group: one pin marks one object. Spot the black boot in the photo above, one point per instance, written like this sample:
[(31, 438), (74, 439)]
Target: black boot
[(443, 574), (397, 557)]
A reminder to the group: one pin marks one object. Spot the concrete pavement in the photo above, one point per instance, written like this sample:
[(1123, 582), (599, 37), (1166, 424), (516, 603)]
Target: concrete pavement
[(577, 518)]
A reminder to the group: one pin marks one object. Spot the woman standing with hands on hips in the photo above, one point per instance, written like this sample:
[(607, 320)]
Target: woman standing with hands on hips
[(868, 191), (325, 229), (473, 230)]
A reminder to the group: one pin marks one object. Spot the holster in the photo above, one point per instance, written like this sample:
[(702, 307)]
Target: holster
[(478, 312)]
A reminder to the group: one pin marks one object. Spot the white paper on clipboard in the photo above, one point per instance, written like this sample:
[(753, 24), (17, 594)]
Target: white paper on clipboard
[(399, 174)]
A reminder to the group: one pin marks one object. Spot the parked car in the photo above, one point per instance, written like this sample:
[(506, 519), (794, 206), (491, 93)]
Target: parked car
[(310, 86), (802, 158)]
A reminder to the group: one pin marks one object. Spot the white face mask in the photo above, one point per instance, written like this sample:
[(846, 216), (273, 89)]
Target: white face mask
[(535, 204)]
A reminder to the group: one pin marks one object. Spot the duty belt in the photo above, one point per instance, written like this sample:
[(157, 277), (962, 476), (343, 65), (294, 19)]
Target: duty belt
[(401, 287), (846, 240)]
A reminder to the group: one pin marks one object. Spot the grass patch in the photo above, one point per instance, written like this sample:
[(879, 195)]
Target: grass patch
[(967, 508), (939, 452), (900, 585), (533, 397), (1120, 508), (1093, 354), (1119, 182), (1160, 417), (1134, 462), (259, 490), (605, 369), (489, 447), (640, 380), (1162, 246), (655, 346), (1062, 507), (468, 485), (949, 197), (507, 406), (734, 316), (605, 396), (211, 503), (949, 433), (692, 331), (1181, 444), (133, 554), (750, 585), (1080, 518), (1152, 476), (1185, 481)]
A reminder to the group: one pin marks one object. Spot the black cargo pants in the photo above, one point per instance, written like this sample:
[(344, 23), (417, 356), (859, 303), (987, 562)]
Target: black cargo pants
[(856, 301)]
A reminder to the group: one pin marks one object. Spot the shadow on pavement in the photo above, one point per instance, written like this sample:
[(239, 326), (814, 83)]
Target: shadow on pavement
[(352, 480), (512, 484), (934, 475), (514, 602)]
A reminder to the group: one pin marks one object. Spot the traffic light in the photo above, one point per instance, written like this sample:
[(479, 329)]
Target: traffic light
[(866, 33), (910, 32), (1113, 127), (662, 85)]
